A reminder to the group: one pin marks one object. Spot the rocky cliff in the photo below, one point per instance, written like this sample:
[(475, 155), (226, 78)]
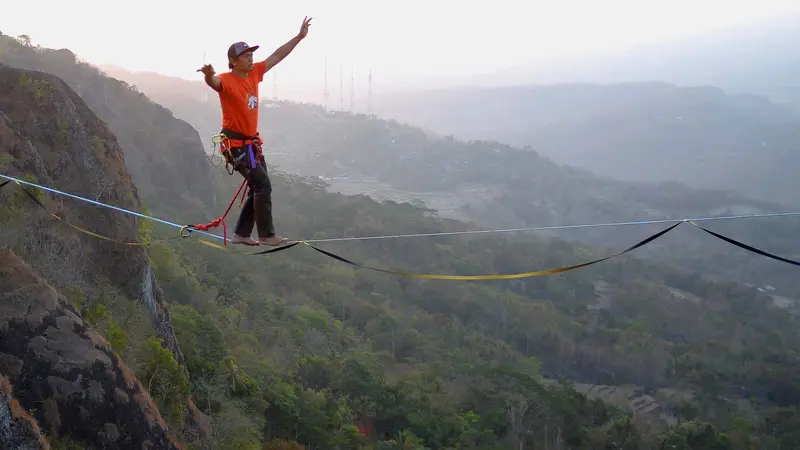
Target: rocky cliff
[(18, 430), (65, 378), (47, 133), (164, 155)]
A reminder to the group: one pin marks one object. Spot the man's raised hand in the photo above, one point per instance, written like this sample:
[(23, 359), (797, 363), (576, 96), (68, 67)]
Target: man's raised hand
[(207, 70), (304, 28)]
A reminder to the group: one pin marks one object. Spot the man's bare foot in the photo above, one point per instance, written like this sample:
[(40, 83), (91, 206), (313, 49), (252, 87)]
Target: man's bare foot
[(273, 240), (243, 240)]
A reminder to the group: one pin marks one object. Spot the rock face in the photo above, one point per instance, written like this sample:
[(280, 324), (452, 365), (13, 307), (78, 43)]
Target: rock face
[(66, 372), (165, 155), (47, 132), (18, 430)]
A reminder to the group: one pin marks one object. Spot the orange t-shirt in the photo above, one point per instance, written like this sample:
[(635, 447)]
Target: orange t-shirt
[(239, 100)]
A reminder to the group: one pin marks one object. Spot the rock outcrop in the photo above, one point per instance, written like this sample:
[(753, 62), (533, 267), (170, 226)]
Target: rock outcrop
[(164, 155), (66, 373), (47, 132), (18, 430)]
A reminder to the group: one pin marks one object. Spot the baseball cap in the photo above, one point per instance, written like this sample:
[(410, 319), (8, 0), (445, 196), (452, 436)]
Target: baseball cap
[(237, 48)]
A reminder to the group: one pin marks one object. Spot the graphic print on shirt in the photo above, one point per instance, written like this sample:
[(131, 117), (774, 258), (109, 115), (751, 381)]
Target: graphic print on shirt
[(252, 102)]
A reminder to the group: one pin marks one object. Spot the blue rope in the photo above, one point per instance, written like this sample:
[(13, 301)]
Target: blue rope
[(94, 202)]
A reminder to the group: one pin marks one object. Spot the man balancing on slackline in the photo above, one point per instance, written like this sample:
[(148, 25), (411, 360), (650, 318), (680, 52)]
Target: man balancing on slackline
[(238, 96)]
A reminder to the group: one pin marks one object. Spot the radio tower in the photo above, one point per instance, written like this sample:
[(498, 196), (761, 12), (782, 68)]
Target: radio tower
[(204, 97), (326, 84), (352, 90), (341, 88), (369, 99), (274, 86)]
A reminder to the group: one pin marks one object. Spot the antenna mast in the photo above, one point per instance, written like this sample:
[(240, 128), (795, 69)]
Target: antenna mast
[(352, 90), (341, 87), (204, 97), (369, 101), (326, 83)]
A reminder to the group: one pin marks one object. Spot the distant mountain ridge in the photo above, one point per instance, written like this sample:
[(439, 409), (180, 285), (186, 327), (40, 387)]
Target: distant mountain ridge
[(653, 132)]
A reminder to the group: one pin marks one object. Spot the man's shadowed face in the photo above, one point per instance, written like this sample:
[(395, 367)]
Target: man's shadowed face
[(243, 63)]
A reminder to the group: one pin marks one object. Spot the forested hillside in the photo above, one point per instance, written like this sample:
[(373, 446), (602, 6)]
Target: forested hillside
[(622, 323), (293, 349)]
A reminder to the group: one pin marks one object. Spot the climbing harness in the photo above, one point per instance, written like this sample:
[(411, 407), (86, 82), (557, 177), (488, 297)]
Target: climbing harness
[(229, 140)]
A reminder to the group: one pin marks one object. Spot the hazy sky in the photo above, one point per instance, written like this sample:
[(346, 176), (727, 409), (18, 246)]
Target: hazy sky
[(400, 40)]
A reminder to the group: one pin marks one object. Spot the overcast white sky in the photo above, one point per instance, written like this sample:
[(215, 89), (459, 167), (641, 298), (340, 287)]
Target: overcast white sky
[(408, 40)]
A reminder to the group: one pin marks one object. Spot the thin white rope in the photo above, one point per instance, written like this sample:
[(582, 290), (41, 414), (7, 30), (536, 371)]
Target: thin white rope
[(555, 227)]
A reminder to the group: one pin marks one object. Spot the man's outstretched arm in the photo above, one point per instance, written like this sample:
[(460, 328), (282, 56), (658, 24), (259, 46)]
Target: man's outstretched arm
[(283, 51), (214, 82)]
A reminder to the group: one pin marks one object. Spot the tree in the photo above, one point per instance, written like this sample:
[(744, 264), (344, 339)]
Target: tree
[(695, 435)]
